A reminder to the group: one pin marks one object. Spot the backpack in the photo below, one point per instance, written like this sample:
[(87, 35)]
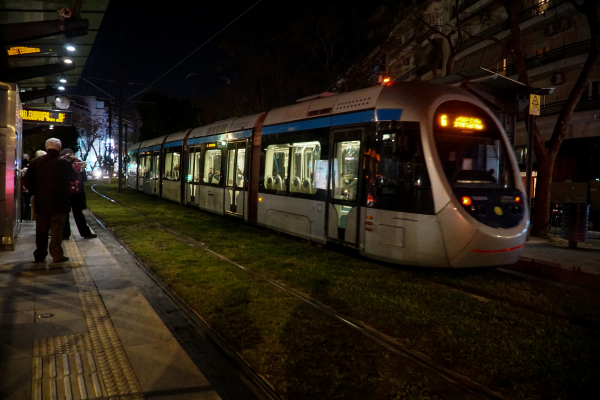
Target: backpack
[(75, 186)]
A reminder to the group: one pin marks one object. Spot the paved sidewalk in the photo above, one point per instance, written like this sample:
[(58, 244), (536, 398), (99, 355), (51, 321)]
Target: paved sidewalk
[(83, 329), (555, 252)]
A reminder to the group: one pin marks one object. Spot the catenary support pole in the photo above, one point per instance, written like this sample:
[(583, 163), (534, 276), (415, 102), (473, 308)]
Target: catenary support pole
[(529, 168), (120, 100)]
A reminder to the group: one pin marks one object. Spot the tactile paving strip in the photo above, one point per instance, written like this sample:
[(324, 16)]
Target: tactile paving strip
[(84, 366), (61, 345), (72, 251)]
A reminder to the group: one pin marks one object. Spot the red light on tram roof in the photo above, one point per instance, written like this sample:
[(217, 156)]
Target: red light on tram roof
[(466, 201)]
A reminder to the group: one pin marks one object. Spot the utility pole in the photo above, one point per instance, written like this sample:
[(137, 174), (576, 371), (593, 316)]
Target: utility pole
[(120, 101), (108, 148)]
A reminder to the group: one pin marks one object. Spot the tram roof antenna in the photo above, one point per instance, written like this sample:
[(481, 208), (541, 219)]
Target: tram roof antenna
[(316, 96)]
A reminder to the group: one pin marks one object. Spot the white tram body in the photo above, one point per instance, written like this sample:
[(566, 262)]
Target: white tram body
[(412, 173)]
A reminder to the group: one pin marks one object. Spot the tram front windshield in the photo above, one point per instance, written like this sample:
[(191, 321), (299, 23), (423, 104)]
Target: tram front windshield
[(471, 148)]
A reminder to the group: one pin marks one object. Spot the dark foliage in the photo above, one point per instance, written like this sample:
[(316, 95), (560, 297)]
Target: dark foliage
[(313, 48), (162, 115)]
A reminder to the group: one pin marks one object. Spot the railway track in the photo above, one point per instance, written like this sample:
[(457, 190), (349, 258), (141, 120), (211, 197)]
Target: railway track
[(378, 337)]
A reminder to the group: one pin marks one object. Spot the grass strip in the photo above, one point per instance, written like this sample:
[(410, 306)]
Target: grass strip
[(522, 353)]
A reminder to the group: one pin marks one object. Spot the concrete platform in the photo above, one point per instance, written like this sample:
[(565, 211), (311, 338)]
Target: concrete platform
[(88, 328), (555, 252)]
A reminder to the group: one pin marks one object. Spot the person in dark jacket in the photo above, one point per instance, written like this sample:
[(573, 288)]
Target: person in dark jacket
[(78, 203), (48, 178)]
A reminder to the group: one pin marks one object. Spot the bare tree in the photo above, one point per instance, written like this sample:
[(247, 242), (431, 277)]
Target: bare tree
[(90, 130), (546, 152)]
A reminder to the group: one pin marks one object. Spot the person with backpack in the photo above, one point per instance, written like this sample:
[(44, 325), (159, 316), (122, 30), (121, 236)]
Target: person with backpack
[(78, 201)]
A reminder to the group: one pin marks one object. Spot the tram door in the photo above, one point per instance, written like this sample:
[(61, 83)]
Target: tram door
[(343, 207), (235, 183), (152, 181)]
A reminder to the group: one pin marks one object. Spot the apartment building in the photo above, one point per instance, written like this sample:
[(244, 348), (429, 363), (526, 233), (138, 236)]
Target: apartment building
[(556, 42)]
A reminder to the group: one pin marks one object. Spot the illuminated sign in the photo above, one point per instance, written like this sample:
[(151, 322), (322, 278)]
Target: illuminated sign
[(211, 145), (468, 123), (46, 117), (462, 122), (15, 51)]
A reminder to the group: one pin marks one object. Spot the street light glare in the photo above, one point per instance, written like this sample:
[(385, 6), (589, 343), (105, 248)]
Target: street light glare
[(71, 48), (68, 61), (63, 80)]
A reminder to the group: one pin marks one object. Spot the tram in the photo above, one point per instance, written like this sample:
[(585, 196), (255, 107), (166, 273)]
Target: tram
[(411, 173)]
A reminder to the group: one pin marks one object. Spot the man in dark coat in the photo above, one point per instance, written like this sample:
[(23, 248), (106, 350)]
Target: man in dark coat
[(78, 202), (48, 178)]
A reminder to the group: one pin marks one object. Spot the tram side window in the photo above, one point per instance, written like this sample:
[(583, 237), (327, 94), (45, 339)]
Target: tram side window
[(397, 176), (235, 174), (194, 164), (276, 167), (212, 167), (147, 165), (241, 167), (345, 170), (142, 166), (155, 165), (304, 157), (132, 164), (172, 163)]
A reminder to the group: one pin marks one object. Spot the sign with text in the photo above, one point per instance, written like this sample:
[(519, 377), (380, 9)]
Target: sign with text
[(46, 117), (15, 51), (534, 104)]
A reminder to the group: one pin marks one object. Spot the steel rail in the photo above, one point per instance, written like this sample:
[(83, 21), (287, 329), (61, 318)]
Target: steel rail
[(194, 317), (378, 337)]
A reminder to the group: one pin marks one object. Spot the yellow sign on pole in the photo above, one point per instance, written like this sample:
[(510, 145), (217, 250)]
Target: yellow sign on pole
[(534, 104)]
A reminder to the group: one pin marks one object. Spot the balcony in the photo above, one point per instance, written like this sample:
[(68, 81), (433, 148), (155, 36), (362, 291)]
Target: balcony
[(568, 51), (523, 16)]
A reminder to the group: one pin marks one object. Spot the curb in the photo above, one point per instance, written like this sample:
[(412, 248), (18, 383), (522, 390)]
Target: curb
[(545, 263)]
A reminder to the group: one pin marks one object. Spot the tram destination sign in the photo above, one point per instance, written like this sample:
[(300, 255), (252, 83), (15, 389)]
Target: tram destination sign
[(47, 117)]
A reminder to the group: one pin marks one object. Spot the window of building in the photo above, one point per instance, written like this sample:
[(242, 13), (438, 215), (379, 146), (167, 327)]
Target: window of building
[(542, 50)]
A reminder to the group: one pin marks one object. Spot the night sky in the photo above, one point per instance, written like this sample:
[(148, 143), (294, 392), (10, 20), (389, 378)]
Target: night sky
[(150, 38)]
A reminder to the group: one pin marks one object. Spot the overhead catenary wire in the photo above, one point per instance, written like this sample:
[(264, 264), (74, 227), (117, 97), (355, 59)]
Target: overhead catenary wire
[(119, 40), (198, 48)]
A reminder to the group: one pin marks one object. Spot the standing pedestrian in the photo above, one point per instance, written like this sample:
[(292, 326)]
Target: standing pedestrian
[(38, 153), (48, 178), (78, 201)]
